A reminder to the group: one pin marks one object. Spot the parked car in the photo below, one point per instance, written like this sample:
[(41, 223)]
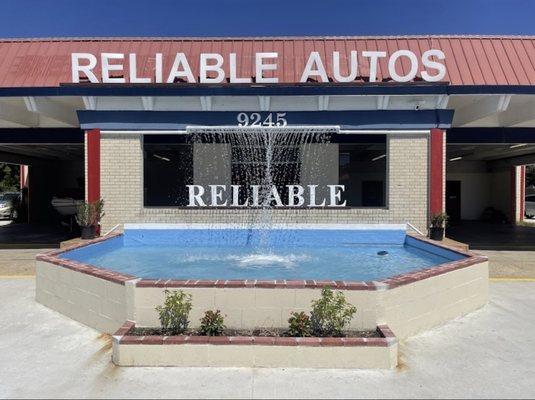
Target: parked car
[(530, 206), (9, 205)]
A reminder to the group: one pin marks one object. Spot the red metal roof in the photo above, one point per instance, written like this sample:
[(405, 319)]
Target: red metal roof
[(470, 60)]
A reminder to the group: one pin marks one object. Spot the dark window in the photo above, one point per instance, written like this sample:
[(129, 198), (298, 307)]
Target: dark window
[(362, 169), (249, 167), (168, 168)]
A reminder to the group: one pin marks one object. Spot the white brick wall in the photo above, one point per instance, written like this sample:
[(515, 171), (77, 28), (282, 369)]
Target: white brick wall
[(121, 179), (122, 189), (92, 301)]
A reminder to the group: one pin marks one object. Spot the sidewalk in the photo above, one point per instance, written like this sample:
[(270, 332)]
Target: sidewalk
[(510, 264), (18, 262)]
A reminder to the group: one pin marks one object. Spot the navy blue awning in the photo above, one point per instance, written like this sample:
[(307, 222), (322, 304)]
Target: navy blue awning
[(304, 89), (179, 120)]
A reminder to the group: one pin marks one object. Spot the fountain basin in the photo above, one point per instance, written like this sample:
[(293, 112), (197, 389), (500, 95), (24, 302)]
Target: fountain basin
[(419, 284)]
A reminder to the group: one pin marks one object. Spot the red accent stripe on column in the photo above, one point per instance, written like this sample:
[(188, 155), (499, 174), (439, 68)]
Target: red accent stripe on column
[(522, 192), (93, 165), (22, 177), (436, 176), (513, 194)]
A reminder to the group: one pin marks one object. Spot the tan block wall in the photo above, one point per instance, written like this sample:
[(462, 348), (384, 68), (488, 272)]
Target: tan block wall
[(252, 308), (122, 190), (407, 310), (421, 305), (92, 301), (255, 356)]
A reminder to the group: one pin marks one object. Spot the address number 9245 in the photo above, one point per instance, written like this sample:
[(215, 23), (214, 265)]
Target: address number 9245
[(256, 119)]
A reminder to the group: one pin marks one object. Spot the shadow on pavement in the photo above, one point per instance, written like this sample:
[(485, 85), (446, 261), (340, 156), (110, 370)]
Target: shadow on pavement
[(489, 236), (25, 236)]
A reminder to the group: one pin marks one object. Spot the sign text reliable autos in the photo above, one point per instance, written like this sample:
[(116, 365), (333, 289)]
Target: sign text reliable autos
[(211, 67)]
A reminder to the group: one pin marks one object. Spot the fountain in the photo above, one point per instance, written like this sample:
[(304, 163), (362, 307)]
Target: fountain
[(267, 262), (264, 159)]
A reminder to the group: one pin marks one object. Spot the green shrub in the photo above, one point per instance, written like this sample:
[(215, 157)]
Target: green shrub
[(212, 324), (331, 313), (299, 325), (174, 314), (439, 220), (90, 214)]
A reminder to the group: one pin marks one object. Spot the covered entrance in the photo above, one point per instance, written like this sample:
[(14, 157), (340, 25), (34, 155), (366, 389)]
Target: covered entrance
[(54, 160), (485, 186)]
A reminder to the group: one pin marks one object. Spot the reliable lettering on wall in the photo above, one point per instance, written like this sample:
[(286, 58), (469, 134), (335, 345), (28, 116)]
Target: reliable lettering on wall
[(298, 196), (211, 67)]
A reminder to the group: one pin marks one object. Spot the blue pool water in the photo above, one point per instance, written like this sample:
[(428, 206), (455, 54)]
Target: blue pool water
[(320, 254)]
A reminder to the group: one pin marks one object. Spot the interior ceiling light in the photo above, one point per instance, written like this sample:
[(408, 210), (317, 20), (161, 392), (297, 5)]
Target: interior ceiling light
[(379, 157), (456, 158), (162, 158)]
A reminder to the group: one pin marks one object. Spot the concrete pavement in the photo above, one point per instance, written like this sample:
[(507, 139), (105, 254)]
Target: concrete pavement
[(32, 236), (489, 353), (510, 264), (18, 261)]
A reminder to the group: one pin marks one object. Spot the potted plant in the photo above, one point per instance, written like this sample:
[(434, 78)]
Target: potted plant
[(88, 217), (438, 224)]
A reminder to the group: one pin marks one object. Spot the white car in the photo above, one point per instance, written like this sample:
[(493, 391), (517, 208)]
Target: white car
[(9, 202)]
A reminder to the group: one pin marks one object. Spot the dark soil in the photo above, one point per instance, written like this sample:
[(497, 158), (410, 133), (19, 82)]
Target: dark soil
[(243, 332)]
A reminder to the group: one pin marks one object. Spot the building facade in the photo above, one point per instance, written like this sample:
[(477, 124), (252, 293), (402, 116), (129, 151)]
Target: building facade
[(383, 130)]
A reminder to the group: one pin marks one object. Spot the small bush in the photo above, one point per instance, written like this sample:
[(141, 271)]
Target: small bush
[(174, 314), (90, 214), (439, 220), (212, 324), (299, 325), (331, 314)]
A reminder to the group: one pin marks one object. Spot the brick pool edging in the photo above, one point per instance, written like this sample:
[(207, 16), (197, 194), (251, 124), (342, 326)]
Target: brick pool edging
[(98, 272), (384, 284), (387, 339)]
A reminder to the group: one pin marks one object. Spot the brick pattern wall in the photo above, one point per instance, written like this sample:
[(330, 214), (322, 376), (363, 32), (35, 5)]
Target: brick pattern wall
[(408, 179), (122, 190), (121, 180)]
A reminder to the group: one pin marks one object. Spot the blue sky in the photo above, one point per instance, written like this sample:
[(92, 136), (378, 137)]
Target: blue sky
[(45, 18)]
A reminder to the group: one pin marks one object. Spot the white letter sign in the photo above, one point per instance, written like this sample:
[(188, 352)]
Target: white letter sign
[(323, 66), (86, 69)]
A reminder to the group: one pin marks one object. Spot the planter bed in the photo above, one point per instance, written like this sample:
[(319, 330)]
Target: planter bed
[(136, 331), (376, 349)]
